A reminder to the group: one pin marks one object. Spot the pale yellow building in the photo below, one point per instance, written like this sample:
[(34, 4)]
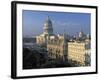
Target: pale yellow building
[(41, 40), (77, 52)]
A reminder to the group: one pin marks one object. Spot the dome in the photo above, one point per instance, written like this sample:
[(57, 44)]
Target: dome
[(48, 26), (48, 20), (81, 34)]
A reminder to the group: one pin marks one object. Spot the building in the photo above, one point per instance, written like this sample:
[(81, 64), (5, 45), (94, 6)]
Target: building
[(48, 31), (55, 44), (76, 49), (79, 52), (57, 47)]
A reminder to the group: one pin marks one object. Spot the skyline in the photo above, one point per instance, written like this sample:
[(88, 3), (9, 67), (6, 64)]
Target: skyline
[(68, 22)]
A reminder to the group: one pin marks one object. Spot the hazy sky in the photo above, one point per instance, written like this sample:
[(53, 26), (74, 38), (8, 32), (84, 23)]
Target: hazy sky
[(71, 23)]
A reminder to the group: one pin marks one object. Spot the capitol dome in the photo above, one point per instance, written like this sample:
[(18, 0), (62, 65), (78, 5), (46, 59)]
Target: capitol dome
[(48, 26)]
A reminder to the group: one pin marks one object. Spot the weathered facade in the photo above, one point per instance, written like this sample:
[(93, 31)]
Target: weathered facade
[(57, 47), (77, 51)]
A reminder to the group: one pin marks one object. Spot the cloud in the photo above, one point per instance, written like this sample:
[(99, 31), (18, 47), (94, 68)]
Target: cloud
[(68, 24)]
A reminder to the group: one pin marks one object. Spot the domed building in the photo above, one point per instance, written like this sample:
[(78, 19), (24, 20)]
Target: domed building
[(48, 31)]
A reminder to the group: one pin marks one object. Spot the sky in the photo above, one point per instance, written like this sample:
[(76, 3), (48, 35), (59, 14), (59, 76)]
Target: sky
[(63, 22)]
